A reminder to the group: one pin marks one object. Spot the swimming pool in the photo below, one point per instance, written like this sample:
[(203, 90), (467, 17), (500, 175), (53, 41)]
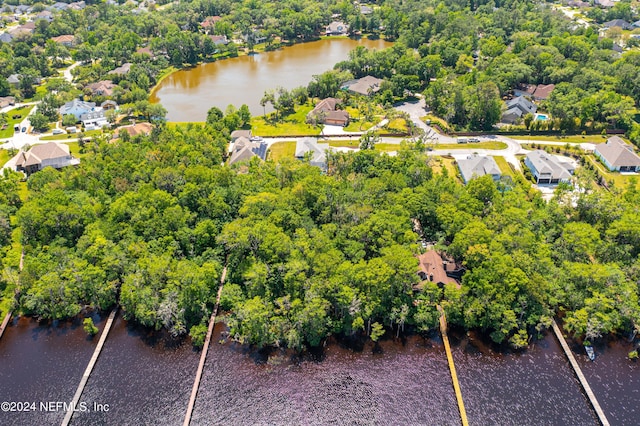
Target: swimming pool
[(542, 117)]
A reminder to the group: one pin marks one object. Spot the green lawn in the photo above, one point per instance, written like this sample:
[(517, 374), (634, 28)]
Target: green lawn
[(24, 111), (436, 120), (479, 145), (4, 156), (291, 125), (70, 136), (441, 163), (564, 139), (619, 180), (281, 150), (504, 166)]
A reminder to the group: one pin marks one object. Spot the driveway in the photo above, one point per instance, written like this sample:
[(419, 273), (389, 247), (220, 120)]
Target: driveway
[(417, 109)]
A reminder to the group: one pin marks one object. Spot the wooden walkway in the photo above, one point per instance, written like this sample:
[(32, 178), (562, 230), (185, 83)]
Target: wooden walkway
[(5, 322), (87, 372), (581, 378), (203, 355), (452, 367)]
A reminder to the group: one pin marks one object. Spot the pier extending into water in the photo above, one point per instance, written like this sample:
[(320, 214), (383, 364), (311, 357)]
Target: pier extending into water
[(89, 369), (5, 322), (203, 355), (581, 378), (452, 367)]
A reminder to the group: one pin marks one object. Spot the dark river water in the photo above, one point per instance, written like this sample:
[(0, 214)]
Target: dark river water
[(146, 379), (188, 94)]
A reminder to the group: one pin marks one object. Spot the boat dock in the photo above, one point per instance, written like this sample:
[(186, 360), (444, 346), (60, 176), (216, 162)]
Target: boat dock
[(581, 378), (5, 322), (89, 369), (205, 350), (452, 367)]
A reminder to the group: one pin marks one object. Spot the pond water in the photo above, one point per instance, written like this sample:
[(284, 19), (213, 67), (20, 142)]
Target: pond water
[(188, 94)]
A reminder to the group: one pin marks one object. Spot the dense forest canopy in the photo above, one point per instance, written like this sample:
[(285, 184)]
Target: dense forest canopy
[(149, 222)]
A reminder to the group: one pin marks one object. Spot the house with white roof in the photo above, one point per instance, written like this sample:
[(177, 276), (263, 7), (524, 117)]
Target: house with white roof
[(547, 168), (314, 151), (477, 166), (618, 155)]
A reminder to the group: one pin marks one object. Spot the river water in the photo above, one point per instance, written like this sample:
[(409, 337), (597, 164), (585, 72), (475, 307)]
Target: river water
[(188, 94), (145, 377)]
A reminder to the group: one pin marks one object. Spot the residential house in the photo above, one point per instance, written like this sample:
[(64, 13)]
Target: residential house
[(21, 30), (66, 40), (366, 85), (145, 51), (122, 70), (366, 10), (7, 101), (135, 129), (45, 15), (543, 91), (337, 28), (604, 3), (516, 108), (636, 24), (77, 5), (432, 268), (618, 155), (60, 6), (109, 105), (617, 23), (326, 112), (525, 90), (94, 119), (49, 154), (547, 168), (240, 134), (14, 79), (209, 23), (219, 39), (314, 151), (243, 150), (101, 88), (6, 38), (477, 166), (77, 108)]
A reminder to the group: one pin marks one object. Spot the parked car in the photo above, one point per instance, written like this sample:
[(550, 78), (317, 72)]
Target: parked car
[(57, 131), (24, 130)]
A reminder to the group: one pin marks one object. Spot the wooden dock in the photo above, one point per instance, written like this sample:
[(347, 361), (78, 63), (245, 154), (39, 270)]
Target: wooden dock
[(452, 367), (89, 369), (203, 355), (5, 322), (581, 378)]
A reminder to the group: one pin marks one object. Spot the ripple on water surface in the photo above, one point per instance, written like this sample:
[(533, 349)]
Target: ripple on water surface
[(535, 387), (407, 384), (144, 377), (42, 363)]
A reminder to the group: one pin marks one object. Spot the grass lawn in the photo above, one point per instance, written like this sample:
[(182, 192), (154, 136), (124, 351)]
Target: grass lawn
[(292, 125), (70, 136), (281, 150), (357, 126), (4, 156), (436, 120), (564, 139), (441, 163), (397, 125), (479, 145), (504, 166), (8, 132), (619, 180)]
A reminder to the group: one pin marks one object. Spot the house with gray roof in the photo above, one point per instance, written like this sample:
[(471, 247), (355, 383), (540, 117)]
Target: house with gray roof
[(240, 133), (6, 38), (78, 108), (337, 28), (547, 168), (243, 150), (618, 23), (477, 166), (517, 108), (363, 86), (314, 151), (122, 70), (618, 155)]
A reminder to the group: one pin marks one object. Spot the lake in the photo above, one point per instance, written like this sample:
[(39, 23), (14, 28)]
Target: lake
[(188, 94)]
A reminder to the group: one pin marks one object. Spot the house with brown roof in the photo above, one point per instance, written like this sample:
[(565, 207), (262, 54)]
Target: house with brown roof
[(50, 154), (66, 40), (543, 91), (209, 23), (434, 269), (240, 134), (122, 70), (7, 101), (101, 88), (618, 155), (326, 112), (135, 129)]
